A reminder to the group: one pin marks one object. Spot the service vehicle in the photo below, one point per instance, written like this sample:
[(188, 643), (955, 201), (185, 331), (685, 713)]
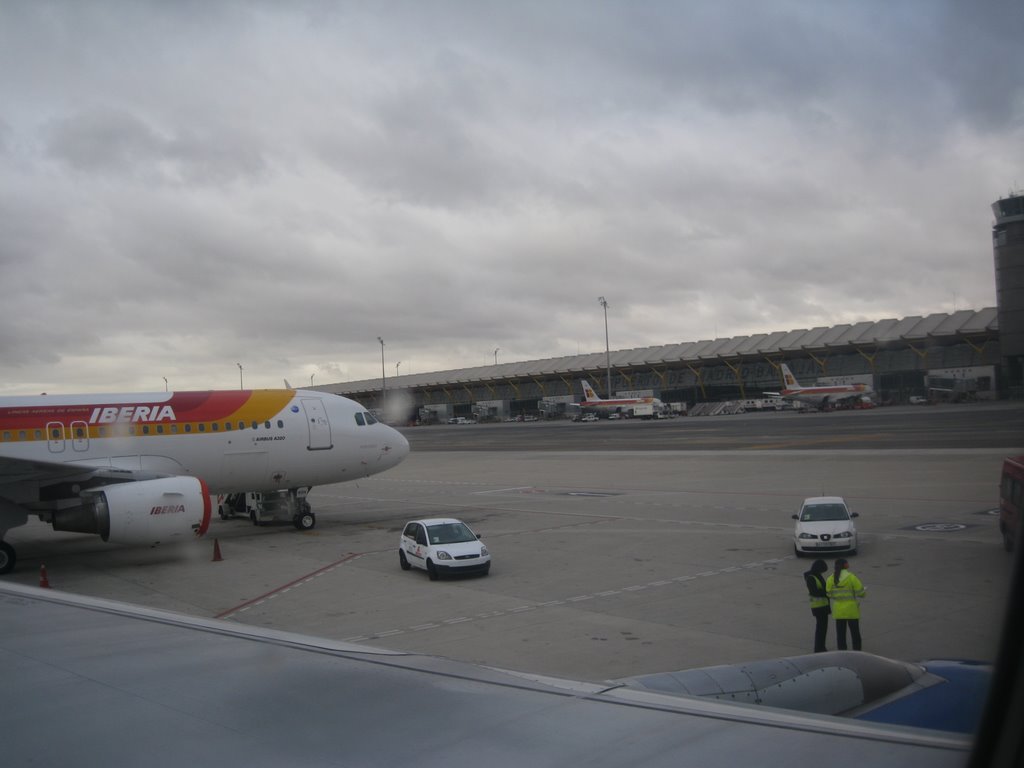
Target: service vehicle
[(1011, 500), (824, 525), (442, 546)]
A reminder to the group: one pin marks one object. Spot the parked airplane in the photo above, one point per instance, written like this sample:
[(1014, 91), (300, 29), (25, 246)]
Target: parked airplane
[(141, 467), (819, 396), (627, 406)]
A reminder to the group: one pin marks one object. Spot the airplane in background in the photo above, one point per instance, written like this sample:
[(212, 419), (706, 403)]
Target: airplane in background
[(141, 468), (821, 397), (644, 407)]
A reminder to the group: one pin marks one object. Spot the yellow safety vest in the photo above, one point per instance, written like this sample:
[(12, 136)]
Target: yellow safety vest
[(818, 602), (844, 595)]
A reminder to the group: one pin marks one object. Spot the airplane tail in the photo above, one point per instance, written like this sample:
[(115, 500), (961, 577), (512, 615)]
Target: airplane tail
[(589, 395), (788, 379)]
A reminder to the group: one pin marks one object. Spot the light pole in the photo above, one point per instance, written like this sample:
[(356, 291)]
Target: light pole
[(165, 384), (311, 379), (239, 375), (496, 350), (383, 380), (396, 368), (607, 349)]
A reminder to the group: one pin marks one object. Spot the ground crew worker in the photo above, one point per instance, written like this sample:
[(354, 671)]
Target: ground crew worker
[(819, 602), (845, 590)]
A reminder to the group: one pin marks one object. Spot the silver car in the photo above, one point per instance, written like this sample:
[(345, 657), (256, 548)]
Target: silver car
[(824, 525), (442, 546)]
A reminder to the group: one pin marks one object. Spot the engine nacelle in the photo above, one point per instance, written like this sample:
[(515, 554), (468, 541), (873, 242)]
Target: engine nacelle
[(149, 511)]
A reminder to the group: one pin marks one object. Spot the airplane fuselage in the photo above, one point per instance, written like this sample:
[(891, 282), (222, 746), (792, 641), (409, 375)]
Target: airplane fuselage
[(622, 404), (819, 395), (245, 440)]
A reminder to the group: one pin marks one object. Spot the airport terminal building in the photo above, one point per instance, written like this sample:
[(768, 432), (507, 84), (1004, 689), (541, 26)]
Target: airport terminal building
[(969, 354), (948, 356)]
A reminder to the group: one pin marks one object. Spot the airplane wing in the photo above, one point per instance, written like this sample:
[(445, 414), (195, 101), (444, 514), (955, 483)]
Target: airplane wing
[(107, 683), (23, 470), (16, 470), (937, 694)]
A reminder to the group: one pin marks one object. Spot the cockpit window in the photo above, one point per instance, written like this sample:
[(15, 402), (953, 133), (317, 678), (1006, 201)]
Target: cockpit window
[(370, 419), (360, 420)]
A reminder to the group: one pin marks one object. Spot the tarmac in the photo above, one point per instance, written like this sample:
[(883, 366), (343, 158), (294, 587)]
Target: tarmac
[(609, 561)]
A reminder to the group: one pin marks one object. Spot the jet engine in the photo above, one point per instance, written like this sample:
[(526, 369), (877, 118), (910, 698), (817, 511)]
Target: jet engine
[(141, 512)]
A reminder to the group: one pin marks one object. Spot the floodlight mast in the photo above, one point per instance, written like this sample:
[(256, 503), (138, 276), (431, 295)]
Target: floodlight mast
[(607, 349), (383, 380)]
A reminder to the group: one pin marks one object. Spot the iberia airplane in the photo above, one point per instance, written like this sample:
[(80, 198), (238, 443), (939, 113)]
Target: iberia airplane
[(819, 396), (625, 405), (140, 468)]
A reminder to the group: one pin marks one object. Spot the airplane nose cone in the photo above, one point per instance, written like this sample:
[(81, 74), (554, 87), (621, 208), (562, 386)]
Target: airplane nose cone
[(396, 447)]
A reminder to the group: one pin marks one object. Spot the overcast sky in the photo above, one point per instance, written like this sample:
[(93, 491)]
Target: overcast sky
[(188, 186)]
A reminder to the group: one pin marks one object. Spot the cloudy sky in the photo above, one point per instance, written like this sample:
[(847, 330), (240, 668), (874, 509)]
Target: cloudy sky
[(188, 186)]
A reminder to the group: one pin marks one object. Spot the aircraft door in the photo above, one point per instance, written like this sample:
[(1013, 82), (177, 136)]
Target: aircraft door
[(319, 426), (55, 436)]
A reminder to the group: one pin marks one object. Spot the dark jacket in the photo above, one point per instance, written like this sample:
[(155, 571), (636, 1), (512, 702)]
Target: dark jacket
[(816, 589)]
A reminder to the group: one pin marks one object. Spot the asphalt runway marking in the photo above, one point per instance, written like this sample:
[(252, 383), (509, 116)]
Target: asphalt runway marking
[(632, 589), (284, 588), (807, 442)]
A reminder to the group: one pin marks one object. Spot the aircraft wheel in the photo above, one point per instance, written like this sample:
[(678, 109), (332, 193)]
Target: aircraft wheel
[(7, 557), (402, 561), (305, 521), (432, 570)]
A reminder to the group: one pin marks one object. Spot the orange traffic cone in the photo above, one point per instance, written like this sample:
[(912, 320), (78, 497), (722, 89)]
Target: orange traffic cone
[(216, 551), (43, 581)]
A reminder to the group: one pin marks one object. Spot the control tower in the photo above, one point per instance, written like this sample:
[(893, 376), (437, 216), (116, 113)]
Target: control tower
[(1008, 250)]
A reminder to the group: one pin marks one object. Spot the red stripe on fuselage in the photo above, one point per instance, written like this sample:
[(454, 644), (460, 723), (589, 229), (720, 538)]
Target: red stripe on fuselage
[(823, 390), (617, 402)]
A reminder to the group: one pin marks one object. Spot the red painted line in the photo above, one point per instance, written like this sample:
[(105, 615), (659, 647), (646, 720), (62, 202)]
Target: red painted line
[(289, 585)]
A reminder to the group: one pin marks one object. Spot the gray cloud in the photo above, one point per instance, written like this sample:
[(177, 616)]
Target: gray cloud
[(187, 186)]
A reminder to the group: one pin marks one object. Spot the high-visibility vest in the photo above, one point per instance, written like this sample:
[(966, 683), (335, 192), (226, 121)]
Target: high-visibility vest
[(844, 595), (817, 601)]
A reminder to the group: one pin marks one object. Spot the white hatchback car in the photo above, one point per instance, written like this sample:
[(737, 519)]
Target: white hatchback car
[(442, 546), (825, 524)]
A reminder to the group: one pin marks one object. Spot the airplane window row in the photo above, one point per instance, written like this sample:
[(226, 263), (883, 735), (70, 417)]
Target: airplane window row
[(186, 428), (79, 433), (23, 435)]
